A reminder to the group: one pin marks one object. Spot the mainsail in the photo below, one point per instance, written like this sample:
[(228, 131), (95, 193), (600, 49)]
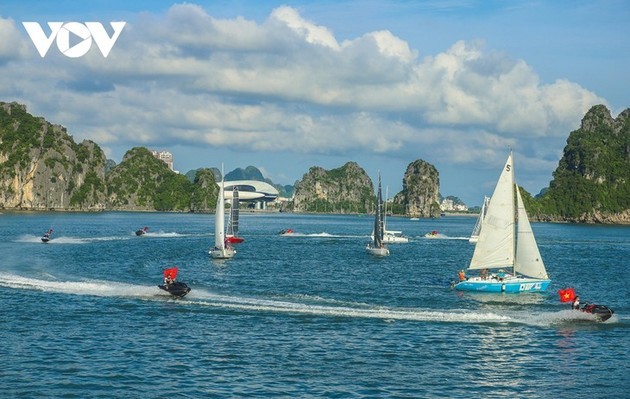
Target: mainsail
[(378, 218), (474, 236), (495, 247), (232, 229), (219, 221)]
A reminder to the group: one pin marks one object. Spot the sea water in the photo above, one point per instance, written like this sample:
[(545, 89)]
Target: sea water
[(306, 315)]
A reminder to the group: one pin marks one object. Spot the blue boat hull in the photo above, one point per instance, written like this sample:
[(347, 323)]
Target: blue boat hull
[(514, 286)]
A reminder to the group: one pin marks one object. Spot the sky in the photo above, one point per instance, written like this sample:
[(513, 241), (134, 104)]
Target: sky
[(285, 86)]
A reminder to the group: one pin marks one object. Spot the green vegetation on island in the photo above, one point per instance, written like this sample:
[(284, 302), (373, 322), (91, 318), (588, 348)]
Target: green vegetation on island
[(42, 168)]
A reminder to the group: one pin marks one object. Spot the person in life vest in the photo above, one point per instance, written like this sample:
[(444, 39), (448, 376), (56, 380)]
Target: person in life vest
[(462, 275)]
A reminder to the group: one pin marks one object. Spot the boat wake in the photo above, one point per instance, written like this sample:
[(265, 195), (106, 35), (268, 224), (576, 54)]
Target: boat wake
[(442, 237), (204, 298), (86, 240), (161, 234), (88, 287), (319, 235)]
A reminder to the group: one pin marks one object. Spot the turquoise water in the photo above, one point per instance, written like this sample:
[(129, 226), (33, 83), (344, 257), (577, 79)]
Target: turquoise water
[(310, 315)]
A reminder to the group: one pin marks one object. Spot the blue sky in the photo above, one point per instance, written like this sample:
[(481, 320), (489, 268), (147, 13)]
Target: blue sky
[(289, 85)]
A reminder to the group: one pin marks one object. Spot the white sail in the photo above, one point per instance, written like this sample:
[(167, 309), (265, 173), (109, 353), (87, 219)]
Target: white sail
[(474, 236), (232, 229), (528, 260), (376, 247), (219, 221), (495, 247)]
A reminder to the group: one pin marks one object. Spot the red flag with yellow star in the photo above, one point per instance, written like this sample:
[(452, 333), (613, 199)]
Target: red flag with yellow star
[(171, 273), (566, 295)]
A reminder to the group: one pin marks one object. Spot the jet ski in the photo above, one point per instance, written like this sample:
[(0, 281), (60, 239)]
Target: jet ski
[(177, 289), (142, 231), (46, 236), (601, 312)]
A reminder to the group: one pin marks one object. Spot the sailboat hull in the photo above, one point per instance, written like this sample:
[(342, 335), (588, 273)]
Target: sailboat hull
[(377, 251), (222, 253), (509, 285)]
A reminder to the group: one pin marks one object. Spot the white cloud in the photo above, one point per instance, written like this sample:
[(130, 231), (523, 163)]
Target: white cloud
[(287, 84), (12, 47)]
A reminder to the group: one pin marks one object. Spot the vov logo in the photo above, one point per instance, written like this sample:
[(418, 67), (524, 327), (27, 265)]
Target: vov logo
[(61, 33)]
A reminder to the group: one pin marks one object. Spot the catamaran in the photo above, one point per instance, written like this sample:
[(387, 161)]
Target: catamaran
[(222, 249), (474, 236), (376, 246), (500, 248)]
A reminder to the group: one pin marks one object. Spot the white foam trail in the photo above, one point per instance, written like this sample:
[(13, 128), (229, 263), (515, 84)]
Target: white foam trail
[(202, 297), (93, 287), (444, 237), (261, 305), (319, 235), (163, 234)]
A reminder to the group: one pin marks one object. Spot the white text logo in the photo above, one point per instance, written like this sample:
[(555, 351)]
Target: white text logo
[(83, 32)]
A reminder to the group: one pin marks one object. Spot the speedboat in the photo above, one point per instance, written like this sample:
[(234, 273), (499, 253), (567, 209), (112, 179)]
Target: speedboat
[(177, 289), (285, 232), (393, 237), (234, 240), (142, 231)]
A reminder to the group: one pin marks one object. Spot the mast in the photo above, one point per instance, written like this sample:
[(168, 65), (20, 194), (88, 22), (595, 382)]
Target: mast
[(378, 217)]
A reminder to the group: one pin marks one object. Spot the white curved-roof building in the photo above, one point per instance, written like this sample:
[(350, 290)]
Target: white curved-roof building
[(251, 190)]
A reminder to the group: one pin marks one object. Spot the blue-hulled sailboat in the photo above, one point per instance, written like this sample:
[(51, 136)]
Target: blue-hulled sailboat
[(513, 256)]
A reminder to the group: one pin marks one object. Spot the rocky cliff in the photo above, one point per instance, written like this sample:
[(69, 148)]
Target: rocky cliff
[(592, 181), (421, 188), (143, 182), (41, 167), (343, 190)]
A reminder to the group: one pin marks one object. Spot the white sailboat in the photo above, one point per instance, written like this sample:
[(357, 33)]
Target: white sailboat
[(376, 246), (222, 249), (474, 236), (232, 228), (391, 236), (498, 247)]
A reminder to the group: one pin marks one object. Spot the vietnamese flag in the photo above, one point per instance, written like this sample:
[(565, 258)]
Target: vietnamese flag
[(566, 295), (170, 273)]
